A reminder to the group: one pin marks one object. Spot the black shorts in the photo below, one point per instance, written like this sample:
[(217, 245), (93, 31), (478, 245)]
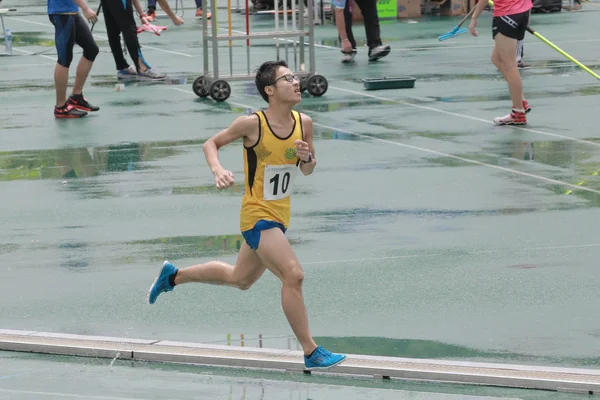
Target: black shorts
[(513, 26), (71, 29)]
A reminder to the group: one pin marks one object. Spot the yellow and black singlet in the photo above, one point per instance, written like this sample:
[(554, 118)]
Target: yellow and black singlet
[(270, 166)]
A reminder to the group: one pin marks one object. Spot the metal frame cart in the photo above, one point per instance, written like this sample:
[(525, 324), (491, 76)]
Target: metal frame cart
[(216, 85)]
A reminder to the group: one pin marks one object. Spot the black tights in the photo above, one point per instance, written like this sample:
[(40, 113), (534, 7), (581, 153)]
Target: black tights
[(371, 21), (118, 16)]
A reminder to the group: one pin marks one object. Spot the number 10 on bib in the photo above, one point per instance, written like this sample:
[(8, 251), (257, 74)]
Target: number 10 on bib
[(279, 181)]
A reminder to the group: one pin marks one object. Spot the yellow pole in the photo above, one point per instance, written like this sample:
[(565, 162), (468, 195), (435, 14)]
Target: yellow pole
[(230, 44), (549, 43), (555, 47), (229, 18)]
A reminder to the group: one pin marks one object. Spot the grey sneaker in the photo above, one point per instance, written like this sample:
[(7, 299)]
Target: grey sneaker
[(129, 73), (151, 75), (378, 52), (348, 57)]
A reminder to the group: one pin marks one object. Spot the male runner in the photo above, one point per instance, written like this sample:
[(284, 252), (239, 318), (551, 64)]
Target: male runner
[(70, 28), (277, 142), (509, 25)]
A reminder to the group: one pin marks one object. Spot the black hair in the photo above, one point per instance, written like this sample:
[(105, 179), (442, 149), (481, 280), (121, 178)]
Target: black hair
[(265, 75)]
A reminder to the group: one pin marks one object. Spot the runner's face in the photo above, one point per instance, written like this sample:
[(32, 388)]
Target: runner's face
[(286, 86)]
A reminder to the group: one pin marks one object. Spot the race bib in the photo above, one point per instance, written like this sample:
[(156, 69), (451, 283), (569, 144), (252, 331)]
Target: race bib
[(279, 181)]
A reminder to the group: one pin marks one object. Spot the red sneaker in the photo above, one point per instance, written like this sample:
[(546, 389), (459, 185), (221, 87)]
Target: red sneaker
[(68, 111), (526, 106), (199, 13), (514, 118), (80, 103)]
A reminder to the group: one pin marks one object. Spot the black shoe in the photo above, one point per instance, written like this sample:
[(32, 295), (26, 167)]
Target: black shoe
[(80, 103)]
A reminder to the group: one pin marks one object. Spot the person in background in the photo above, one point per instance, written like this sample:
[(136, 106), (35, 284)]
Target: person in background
[(343, 21), (509, 25), (118, 17), (152, 10), (70, 29), (348, 52), (520, 52)]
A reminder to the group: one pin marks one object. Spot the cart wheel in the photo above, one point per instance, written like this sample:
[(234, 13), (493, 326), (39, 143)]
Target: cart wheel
[(220, 90), (317, 85), (303, 84), (200, 87)]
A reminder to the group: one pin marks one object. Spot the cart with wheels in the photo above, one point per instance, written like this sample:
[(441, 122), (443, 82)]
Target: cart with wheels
[(216, 84)]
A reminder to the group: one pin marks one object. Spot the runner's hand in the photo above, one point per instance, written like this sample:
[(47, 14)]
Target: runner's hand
[(223, 178), (177, 20), (302, 150)]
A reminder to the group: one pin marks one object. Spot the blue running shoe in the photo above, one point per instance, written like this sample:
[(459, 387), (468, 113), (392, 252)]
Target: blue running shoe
[(323, 359), (161, 284)]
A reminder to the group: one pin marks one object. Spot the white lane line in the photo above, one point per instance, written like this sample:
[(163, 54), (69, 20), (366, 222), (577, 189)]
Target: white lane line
[(351, 260), (32, 53), (106, 38), (68, 395), (465, 116)]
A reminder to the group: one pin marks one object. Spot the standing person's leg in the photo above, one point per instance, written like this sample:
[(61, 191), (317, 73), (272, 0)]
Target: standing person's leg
[(64, 25), (521, 54), (504, 47), (151, 10), (199, 9), (130, 36), (522, 65), (371, 20), (507, 30), (113, 31), (85, 40), (348, 57), (123, 15)]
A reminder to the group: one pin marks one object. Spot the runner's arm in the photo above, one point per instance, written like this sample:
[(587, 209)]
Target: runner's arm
[(241, 127), (307, 128)]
